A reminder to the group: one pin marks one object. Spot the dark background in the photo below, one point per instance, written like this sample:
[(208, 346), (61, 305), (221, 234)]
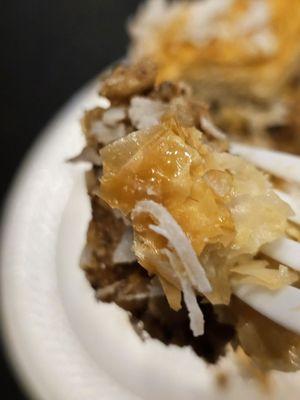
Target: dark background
[(48, 50)]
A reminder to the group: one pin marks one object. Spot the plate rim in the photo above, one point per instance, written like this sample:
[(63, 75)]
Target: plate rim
[(15, 356)]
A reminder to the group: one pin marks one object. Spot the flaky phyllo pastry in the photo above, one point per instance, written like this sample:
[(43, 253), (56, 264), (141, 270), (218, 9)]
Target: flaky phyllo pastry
[(242, 56), (178, 221)]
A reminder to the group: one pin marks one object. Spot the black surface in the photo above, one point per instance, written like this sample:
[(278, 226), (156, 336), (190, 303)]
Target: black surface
[(49, 49)]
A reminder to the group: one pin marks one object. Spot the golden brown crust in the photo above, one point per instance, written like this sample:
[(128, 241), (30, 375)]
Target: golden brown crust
[(126, 81)]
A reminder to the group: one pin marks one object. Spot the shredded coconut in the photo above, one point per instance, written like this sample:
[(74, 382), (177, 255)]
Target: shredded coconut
[(207, 21), (211, 129), (149, 17), (190, 299), (105, 133), (108, 290), (170, 229), (123, 252), (257, 17), (203, 19), (265, 42), (144, 112), (113, 116)]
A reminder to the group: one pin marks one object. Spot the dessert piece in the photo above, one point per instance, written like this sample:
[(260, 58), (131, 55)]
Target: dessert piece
[(244, 45), (241, 56), (178, 221)]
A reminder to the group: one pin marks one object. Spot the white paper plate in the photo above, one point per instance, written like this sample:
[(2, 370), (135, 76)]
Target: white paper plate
[(64, 345)]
